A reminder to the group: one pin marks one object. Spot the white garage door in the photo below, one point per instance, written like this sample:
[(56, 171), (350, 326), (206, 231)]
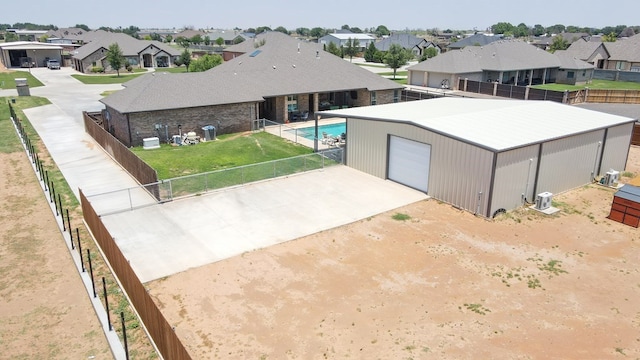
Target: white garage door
[(409, 162), (436, 80)]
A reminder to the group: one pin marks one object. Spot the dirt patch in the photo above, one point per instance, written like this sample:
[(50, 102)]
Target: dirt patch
[(45, 311), (441, 284)]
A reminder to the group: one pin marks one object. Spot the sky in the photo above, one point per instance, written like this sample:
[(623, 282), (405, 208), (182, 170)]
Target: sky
[(401, 15)]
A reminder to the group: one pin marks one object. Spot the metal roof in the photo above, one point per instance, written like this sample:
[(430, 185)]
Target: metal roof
[(29, 45), (629, 192), (494, 124)]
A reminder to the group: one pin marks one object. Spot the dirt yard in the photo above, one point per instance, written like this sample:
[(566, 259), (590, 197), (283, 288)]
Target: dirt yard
[(440, 284), (45, 311)]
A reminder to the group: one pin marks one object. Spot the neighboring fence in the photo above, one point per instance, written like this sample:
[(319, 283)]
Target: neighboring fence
[(140, 170), (567, 97), (616, 75), (157, 326), (190, 185), (635, 136)]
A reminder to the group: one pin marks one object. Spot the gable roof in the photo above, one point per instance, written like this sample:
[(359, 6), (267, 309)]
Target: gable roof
[(407, 41), (282, 66), (347, 36), (130, 46), (571, 62), (624, 49), (583, 49), (504, 55), (474, 40)]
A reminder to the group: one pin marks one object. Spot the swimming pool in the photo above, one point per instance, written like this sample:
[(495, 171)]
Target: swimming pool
[(333, 130)]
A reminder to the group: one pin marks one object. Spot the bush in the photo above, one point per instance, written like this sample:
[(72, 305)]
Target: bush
[(97, 69), (129, 68)]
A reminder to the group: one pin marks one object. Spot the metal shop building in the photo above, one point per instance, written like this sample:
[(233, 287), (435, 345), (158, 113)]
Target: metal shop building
[(485, 155)]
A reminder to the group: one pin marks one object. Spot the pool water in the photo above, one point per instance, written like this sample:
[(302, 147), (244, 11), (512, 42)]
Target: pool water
[(333, 130)]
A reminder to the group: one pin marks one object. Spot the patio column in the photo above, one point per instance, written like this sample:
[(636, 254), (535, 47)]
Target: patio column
[(501, 77), (530, 77), (316, 102), (544, 76)]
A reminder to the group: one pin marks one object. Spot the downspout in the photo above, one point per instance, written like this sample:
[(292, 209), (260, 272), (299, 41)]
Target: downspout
[(535, 182), (129, 131), (491, 183)]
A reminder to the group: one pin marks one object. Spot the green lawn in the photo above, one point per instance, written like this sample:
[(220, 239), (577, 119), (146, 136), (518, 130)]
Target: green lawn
[(227, 151), (398, 73), (595, 84), (179, 69), (8, 79), (9, 141), (106, 79)]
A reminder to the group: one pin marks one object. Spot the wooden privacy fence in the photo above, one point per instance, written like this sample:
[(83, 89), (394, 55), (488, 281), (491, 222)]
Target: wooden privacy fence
[(157, 326), (567, 97), (140, 170)]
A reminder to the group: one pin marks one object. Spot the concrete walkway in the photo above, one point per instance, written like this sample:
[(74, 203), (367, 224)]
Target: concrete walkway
[(162, 240)]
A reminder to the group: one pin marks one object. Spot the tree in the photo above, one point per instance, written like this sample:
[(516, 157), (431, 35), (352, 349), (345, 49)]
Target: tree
[(303, 31), (220, 41), (522, 30), (168, 39), (556, 29), (185, 58), (156, 37), (538, 30), (356, 30), (610, 37), (370, 53), (11, 36), (207, 40), (83, 27), (351, 48), (559, 43), (196, 39), (261, 29), (205, 63), (317, 32), (282, 29), (502, 27), (115, 58), (183, 41), (396, 57), (333, 49), (428, 53), (381, 31)]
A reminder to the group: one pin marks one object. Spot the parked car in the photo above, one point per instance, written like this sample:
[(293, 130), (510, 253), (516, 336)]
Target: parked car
[(53, 64)]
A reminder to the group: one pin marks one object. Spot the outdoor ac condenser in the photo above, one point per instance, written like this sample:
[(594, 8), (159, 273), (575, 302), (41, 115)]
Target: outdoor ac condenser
[(611, 177), (543, 200)]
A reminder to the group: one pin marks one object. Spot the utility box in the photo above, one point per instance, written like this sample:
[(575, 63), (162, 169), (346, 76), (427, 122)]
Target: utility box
[(151, 143), (23, 87), (209, 132)]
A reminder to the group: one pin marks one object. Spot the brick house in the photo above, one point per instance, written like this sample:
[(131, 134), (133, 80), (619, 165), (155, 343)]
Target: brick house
[(279, 79)]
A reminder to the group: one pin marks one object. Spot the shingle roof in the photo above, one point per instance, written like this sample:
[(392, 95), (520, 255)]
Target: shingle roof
[(583, 49), (282, 66), (130, 46), (407, 41), (624, 49), (571, 62), (505, 55), (474, 40)]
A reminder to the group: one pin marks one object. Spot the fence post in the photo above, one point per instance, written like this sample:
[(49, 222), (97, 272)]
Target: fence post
[(46, 180), (64, 225), (106, 302), (69, 225), (60, 203), (565, 97), (526, 92), (124, 336), (93, 284), (80, 252)]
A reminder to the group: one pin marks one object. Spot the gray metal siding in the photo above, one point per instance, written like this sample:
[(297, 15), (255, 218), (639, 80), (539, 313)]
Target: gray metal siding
[(515, 176), (616, 148), (459, 172), (569, 162)]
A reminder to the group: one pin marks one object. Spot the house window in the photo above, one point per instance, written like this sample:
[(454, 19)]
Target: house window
[(619, 65), (292, 103), (396, 95), (374, 100), (570, 74)]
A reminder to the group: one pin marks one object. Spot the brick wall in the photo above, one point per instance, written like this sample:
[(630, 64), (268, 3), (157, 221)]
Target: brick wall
[(230, 118)]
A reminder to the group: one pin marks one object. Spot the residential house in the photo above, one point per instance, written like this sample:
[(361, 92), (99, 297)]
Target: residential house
[(573, 71), (544, 42), (279, 78), (474, 40), (506, 61), (624, 54), (593, 52), (408, 41), (66, 36), (229, 37), (340, 39), (138, 53)]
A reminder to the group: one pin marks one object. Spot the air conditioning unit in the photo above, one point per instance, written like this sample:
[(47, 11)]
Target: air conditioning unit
[(611, 177), (543, 200)]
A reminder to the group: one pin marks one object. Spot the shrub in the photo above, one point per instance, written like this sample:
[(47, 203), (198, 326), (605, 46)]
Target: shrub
[(97, 69)]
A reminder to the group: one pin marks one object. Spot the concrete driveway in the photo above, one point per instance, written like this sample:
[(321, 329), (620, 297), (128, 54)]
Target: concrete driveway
[(161, 240)]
